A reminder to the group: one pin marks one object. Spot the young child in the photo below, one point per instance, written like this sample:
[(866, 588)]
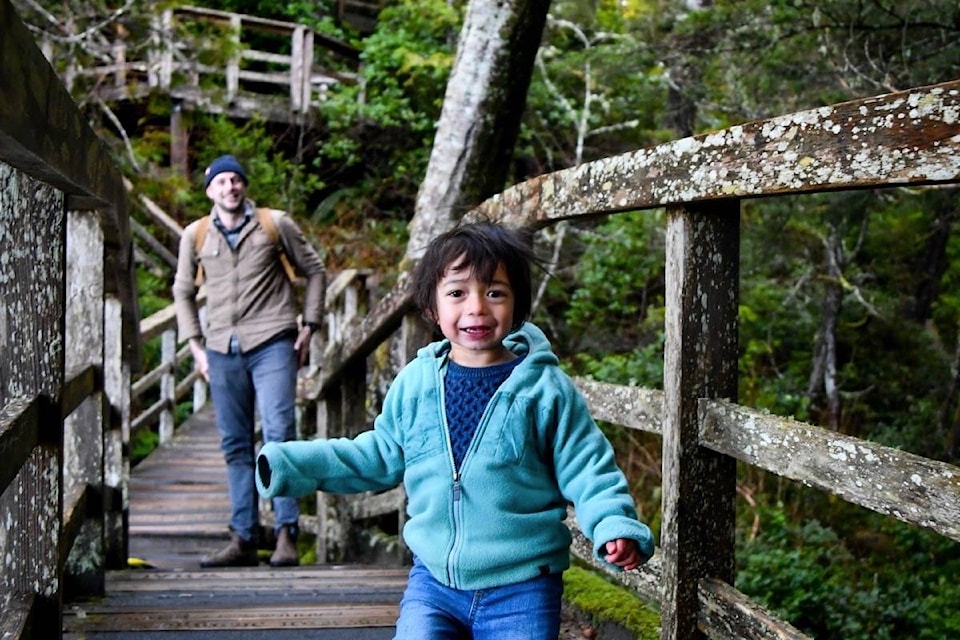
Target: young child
[(491, 441)]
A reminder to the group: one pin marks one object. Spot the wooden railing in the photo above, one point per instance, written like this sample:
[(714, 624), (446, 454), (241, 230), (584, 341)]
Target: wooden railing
[(908, 138), (216, 61), (68, 341)]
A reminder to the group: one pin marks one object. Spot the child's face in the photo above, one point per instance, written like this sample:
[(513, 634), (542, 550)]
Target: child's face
[(475, 316)]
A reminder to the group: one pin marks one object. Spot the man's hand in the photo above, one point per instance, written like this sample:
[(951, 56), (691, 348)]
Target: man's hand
[(200, 363), (302, 344)]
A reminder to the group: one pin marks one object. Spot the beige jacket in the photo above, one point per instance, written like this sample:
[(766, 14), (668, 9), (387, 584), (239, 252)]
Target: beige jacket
[(248, 292)]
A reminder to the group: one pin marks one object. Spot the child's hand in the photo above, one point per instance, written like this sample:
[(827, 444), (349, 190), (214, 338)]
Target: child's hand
[(624, 552)]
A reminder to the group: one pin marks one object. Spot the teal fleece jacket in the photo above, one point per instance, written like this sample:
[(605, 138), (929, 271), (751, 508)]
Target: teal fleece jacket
[(500, 520)]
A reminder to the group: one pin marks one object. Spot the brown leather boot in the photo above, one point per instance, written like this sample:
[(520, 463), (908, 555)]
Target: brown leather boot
[(285, 554), (237, 553)]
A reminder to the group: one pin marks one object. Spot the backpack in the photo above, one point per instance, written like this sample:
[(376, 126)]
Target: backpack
[(269, 225)]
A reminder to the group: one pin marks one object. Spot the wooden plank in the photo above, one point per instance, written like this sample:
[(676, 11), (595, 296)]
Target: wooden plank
[(910, 137), (633, 407), (15, 623), (319, 597), (183, 618), (308, 578), (18, 436), (726, 613), (902, 485), (79, 387)]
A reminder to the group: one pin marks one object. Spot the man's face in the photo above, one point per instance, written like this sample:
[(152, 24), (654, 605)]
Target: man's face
[(227, 190)]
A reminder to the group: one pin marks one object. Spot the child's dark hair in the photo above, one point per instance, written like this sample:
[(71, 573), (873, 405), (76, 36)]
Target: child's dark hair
[(482, 246)]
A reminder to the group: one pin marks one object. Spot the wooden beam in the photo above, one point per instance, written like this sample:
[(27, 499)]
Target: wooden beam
[(18, 436), (726, 613), (16, 621), (37, 115), (903, 486), (78, 387), (906, 138)]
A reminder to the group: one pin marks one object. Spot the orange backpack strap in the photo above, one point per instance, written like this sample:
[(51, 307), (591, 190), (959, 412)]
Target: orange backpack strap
[(269, 225), (201, 234)]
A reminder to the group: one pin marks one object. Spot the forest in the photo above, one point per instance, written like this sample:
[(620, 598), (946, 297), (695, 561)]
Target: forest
[(850, 302)]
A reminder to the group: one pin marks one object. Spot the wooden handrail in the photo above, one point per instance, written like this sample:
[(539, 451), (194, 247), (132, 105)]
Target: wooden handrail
[(907, 138), (278, 85), (18, 436)]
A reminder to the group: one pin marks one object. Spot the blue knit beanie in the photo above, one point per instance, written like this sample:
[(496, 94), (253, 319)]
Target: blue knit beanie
[(221, 164)]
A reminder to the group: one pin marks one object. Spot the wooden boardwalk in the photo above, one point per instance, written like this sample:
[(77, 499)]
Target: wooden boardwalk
[(179, 513)]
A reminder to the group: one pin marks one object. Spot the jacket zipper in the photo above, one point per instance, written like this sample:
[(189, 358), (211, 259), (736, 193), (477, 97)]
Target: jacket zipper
[(455, 486)]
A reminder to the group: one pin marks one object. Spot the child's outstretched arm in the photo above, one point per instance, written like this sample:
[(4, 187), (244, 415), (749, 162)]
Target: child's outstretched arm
[(278, 475), (369, 462), (625, 553)]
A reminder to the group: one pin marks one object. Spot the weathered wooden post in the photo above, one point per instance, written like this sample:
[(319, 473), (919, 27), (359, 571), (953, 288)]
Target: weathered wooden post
[(116, 445), (199, 384), (168, 384), (306, 63), (299, 70), (83, 430), (40, 179), (32, 216), (179, 141), (699, 485), (119, 49), (164, 74), (233, 64), (328, 416)]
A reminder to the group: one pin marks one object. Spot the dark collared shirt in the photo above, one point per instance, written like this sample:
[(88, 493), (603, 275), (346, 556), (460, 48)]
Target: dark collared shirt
[(232, 235)]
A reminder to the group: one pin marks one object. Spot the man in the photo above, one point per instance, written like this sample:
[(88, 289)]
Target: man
[(252, 342)]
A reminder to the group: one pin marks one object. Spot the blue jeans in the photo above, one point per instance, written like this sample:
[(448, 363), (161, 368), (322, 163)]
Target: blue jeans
[(267, 375), (528, 610)]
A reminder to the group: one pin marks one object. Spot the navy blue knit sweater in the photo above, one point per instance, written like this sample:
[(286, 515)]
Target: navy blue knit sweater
[(467, 390)]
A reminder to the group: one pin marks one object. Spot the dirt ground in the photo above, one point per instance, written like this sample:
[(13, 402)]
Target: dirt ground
[(575, 625)]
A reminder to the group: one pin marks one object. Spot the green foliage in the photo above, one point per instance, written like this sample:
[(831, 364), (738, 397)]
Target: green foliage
[(142, 443), (619, 281), (583, 101), (604, 600), (881, 580), (640, 367), (384, 124)]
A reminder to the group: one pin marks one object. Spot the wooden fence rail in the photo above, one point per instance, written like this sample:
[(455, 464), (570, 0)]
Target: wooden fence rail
[(908, 138), (68, 340), (216, 61)]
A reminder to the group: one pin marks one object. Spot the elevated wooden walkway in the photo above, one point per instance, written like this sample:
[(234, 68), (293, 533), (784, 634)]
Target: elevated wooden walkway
[(178, 513)]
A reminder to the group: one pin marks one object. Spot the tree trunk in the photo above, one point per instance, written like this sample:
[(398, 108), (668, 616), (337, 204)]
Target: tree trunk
[(823, 376), (482, 108), (685, 76), (933, 261)]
